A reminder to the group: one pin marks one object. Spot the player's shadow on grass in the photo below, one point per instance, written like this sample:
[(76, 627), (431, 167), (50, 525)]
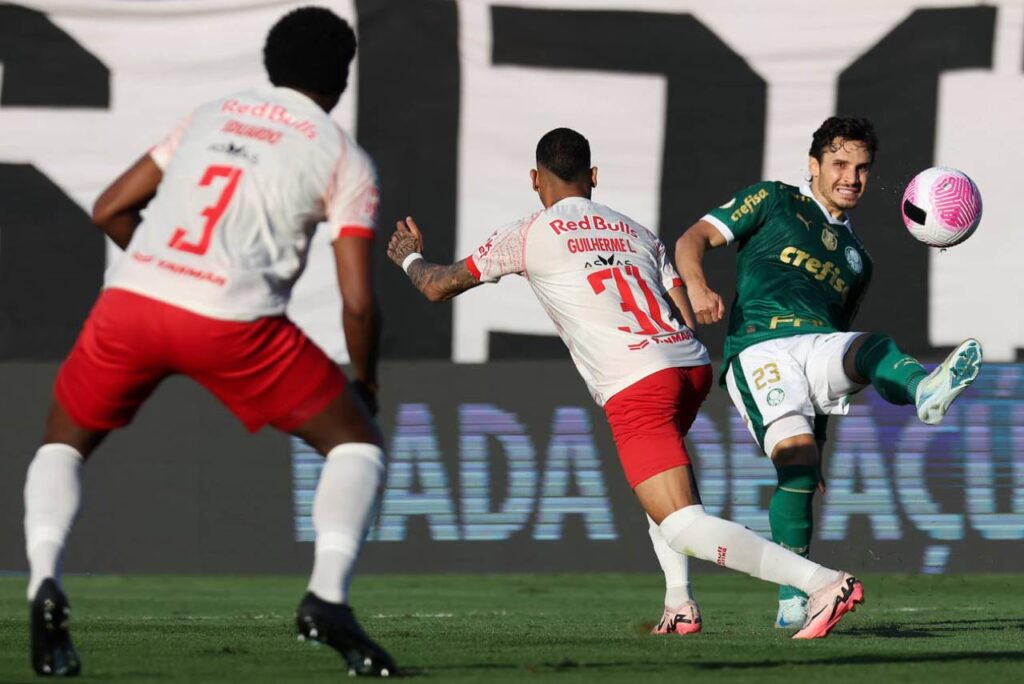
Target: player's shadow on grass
[(936, 629), (862, 659)]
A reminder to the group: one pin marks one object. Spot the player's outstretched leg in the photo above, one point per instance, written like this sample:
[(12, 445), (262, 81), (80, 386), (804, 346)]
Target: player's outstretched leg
[(670, 497), (900, 379), (334, 624), (681, 614), (944, 384), (53, 654)]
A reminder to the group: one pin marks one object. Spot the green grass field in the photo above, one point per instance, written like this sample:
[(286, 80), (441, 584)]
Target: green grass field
[(564, 628)]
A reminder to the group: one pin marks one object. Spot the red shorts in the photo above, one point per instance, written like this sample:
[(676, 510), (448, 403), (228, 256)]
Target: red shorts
[(265, 371), (650, 418)]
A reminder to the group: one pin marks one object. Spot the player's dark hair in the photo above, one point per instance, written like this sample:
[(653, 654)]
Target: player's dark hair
[(310, 49), (852, 128), (565, 153)]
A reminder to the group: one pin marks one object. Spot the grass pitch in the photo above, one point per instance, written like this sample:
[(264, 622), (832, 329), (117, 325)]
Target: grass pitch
[(564, 628)]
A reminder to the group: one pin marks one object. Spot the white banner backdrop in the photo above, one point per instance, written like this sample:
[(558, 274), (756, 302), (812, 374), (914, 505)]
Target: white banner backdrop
[(167, 56)]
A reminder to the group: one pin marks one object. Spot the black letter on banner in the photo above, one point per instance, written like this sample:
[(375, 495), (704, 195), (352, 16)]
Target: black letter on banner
[(408, 121), (896, 85), (51, 256), (714, 119)]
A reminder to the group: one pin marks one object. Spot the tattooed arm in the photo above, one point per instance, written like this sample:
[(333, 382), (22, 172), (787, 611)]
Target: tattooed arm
[(437, 283)]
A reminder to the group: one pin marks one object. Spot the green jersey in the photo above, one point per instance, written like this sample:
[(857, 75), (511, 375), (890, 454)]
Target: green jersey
[(799, 270)]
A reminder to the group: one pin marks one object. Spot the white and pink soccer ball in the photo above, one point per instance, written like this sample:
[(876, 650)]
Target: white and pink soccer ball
[(941, 206)]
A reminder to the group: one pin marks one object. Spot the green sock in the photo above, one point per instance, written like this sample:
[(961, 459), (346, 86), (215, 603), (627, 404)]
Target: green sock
[(894, 374), (790, 514)]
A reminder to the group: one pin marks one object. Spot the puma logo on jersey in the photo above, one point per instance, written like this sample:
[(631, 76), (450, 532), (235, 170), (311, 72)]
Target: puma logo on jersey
[(807, 224)]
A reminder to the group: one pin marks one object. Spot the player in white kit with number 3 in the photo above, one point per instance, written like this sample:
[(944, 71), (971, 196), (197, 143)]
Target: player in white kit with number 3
[(620, 308), (232, 199)]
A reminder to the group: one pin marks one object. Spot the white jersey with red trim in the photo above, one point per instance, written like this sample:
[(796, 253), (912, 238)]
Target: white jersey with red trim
[(603, 279), (246, 180)]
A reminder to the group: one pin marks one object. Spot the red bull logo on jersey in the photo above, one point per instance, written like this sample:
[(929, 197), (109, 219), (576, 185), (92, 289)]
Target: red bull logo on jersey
[(794, 256), (272, 113), (592, 222), (749, 202)]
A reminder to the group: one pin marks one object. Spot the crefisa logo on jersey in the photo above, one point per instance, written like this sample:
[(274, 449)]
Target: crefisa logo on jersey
[(853, 258)]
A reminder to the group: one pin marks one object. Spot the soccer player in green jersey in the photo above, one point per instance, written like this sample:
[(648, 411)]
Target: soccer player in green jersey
[(790, 359)]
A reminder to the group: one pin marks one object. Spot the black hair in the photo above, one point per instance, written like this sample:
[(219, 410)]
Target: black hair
[(310, 49), (852, 128), (565, 153)]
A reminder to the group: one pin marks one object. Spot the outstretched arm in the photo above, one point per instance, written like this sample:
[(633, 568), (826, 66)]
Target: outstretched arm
[(438, 283), (690, 248), (117, 210)]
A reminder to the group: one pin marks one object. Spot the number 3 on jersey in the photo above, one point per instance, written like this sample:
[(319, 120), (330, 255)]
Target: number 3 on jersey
[(212, 213), (649, 320)]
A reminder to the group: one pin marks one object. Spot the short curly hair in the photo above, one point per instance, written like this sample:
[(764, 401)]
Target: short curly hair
[(852, 128), (565, 153), (310, 48)]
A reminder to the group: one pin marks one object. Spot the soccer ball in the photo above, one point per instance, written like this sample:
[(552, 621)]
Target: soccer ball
[(941, 206)]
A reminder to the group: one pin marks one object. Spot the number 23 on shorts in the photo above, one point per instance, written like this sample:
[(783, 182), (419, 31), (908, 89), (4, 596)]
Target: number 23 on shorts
[(766, 375)]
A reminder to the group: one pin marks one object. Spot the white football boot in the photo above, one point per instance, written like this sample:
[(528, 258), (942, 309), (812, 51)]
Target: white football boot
[(944, 384), (792, 613)]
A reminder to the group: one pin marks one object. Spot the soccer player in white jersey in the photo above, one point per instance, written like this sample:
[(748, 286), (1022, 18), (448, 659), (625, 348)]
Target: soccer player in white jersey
[(619, 306), (232, 199)]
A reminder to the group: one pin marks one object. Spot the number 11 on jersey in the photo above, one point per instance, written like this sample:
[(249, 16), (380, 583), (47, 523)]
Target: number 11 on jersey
[(212, 213)]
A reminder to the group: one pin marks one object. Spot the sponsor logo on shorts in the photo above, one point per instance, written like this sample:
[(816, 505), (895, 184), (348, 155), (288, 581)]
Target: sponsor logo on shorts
[(749, 202), (853, 258), (776, 396), (722, 551), (830, 239)]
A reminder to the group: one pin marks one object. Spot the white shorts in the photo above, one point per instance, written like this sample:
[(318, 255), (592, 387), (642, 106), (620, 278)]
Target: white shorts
[(791, 383)]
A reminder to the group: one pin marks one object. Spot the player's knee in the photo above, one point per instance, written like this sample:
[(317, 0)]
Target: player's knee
[(799, 450), (372, 454), (790, 441)]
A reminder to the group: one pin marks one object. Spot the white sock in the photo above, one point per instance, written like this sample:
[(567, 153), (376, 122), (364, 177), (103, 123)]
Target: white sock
[(53, 495), (674, 565), (341, 513), (692, 531)]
